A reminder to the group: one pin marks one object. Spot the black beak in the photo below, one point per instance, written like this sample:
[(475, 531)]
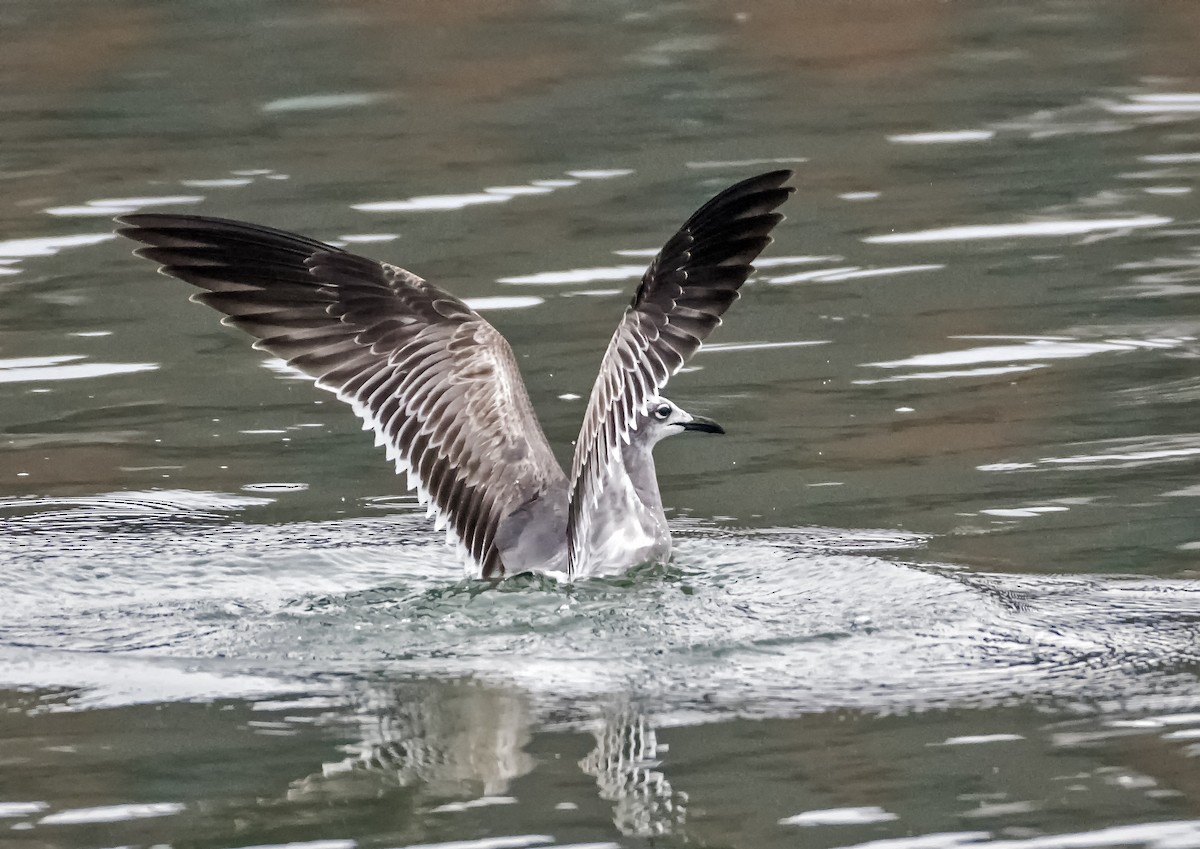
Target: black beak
[(704, 425)]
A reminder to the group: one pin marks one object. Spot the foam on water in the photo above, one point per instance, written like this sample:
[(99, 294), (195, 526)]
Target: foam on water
[(261, 606)]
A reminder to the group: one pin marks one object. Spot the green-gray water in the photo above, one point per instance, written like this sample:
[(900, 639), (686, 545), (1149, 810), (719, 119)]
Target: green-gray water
[(938, 586)]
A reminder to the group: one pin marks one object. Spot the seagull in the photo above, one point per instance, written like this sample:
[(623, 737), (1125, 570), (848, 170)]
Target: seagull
[(440, 386)]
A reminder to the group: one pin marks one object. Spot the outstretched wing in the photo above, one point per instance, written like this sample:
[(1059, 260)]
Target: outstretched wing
[(687, 288), (435, 381)]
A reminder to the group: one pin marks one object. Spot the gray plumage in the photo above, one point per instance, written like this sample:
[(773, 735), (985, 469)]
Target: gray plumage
[(441, 389)]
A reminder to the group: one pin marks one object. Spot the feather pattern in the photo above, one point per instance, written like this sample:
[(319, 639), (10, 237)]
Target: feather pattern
[(687, 288), (436, 382)]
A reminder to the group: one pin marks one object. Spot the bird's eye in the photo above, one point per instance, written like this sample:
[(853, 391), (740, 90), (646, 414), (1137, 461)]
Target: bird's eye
[(662, 411)]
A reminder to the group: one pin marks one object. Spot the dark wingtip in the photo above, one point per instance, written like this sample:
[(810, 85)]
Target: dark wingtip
[(139, 220), (780, 176), (131, 233), (767, 180), (138, 226)]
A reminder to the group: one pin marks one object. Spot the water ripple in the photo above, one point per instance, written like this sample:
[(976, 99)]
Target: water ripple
[(309, 600), (1123, 453), (1021, 230), (1171, 834), (109, 207), (44, 369), (1035, 349), (492, 194)]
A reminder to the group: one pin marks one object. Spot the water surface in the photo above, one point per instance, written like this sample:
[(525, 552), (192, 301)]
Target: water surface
[(937, 587)]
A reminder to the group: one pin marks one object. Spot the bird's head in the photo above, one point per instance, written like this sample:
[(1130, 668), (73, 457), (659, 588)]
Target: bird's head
[(665, 418)]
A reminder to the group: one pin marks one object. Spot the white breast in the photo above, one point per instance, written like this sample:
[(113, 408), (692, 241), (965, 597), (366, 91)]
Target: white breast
[(624, 532)]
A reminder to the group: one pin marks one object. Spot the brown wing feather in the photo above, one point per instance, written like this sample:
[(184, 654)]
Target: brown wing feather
[(687, 288), (438, 384)]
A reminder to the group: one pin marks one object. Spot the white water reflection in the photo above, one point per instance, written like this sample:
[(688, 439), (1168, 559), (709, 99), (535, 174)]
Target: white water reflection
[(37, 362), (368, 238), (111, 813), (49, 245), (578, 275), (217, 183), (1035, 349), (1022, 230), (334, 843), (1122, 453), (109, 207), (481, 802), (1171, 834), (632, 272), (759, 263), (600, 173), (991, 371), (987, 810), (1128, 458), (514, 191), (745, 163), (431, 203), (104, 680), (1165, 276), (977, 739), (492, 194), (1157, 104), (317, 102), (759, 346), (1173, 719), (840, 816), (850, 272), (503, 302), (944, 137), (10, 810), (779, 261), (1097, 115), (40, 369), (1170, 158), (1024, 512)]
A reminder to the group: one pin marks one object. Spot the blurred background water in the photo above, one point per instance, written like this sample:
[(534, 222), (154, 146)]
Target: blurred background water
[(938, 587)]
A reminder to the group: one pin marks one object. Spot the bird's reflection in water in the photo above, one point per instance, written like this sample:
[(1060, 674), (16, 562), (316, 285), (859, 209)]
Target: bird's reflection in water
[(452, 745), (625, 765), (444, 739)]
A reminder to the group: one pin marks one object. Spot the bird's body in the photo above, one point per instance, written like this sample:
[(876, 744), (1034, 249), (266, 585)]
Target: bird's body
[(441, 389)]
